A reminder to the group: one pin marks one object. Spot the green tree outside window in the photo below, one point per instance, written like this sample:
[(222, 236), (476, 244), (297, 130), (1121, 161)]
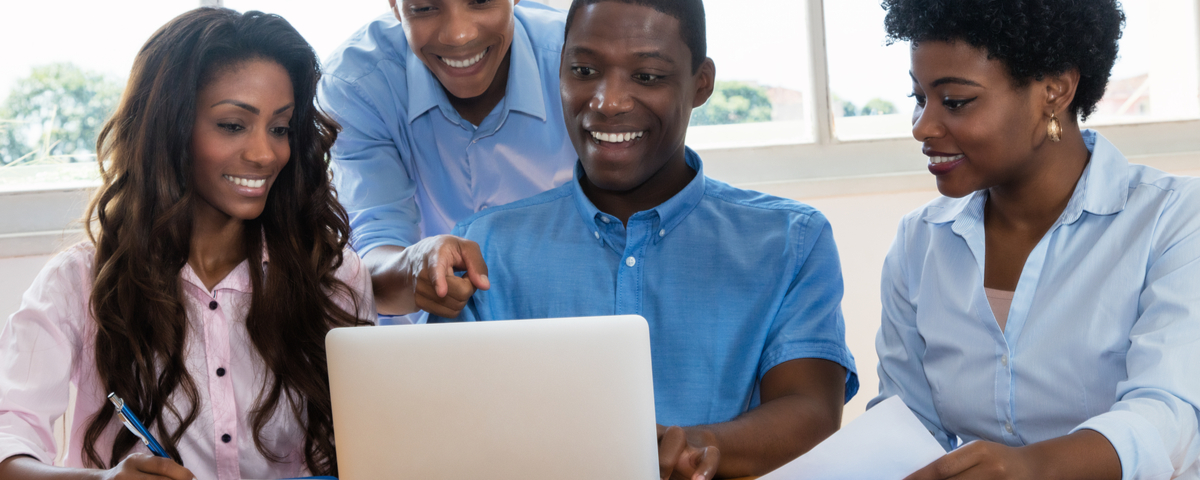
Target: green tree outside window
[(55, 114), (734, 102)]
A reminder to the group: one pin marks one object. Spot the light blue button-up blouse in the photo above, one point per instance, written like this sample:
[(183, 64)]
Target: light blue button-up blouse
[(1103, 332)]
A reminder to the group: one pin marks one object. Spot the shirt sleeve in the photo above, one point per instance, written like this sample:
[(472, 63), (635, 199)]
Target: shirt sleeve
[(355, 275), (900, 346), (1153, 424), (374, 183), (37, 348), (809, 323)]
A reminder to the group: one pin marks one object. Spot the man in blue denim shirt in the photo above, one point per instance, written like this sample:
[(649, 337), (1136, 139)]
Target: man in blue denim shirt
[(447, 107), (741, 290)]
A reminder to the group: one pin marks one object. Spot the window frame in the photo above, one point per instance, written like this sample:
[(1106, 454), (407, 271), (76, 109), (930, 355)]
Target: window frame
[(43, 219)]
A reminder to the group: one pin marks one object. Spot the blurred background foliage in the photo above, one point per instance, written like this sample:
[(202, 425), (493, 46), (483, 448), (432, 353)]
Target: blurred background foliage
[(734, 102), (55, 114)]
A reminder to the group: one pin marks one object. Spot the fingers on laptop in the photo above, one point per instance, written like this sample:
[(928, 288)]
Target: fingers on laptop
[(145, 466), (679, 460)]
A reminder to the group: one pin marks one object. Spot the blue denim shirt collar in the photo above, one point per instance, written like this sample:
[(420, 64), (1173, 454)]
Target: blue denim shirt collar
[(523, 93), (1100, 190), (670, 213)]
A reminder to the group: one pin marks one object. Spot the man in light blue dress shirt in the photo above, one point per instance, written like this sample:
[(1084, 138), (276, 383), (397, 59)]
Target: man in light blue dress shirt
[(446, 108), (741, 290)]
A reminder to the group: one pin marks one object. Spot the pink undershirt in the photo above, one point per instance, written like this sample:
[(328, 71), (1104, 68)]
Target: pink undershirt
[(1000, 300)]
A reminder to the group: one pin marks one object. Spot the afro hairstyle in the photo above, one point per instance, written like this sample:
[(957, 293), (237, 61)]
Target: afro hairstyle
[(1032, 38)]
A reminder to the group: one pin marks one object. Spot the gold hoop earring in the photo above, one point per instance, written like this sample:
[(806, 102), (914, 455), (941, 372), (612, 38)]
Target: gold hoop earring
[(1054, 129)]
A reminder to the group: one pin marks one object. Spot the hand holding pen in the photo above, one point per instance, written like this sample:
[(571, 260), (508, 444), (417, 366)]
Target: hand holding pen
[(139, 465)]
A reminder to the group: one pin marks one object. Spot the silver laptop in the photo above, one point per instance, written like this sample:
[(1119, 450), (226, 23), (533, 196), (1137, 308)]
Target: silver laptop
[(527, 399)]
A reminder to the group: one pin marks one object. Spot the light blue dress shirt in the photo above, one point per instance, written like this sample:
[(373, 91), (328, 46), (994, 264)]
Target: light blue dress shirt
[(407, 166), (1103, 332), (732, 283)]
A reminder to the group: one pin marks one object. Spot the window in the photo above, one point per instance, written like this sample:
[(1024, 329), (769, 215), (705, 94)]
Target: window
[(814, 61), (763, 93), (64, 69), (1155, 77), (325, 28)]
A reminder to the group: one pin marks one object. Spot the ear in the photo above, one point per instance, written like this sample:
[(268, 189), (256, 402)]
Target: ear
[(395, 10), (705, 79), (1060, 92)]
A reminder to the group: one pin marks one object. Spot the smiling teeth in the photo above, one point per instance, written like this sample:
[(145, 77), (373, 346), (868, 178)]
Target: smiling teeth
[(465, 63), (246, 182), (937, 160), (616, 137)]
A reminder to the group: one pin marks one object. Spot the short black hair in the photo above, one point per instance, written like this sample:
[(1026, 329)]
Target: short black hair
[(690, 14), (1033, 38)]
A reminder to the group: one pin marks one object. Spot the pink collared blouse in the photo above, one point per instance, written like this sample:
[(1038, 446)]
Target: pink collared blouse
[(48, 344)]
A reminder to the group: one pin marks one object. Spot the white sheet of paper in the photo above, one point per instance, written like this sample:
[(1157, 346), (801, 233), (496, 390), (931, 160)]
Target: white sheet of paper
[(886, 442)]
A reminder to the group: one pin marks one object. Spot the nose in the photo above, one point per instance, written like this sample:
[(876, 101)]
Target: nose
[(459, 28), (926, 124), (612, 97), (260, 148)]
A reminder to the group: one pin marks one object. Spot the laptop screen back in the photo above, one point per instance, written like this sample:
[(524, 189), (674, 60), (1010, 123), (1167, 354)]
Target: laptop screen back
[(530, 399)]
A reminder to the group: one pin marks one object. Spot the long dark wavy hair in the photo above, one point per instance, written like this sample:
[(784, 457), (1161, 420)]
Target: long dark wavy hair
[(140, 221)]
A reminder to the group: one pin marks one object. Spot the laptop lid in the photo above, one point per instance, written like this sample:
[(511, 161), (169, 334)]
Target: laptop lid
[(529, 399)]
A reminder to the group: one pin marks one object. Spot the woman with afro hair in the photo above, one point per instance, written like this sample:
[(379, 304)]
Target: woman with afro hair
[(1042, 318)]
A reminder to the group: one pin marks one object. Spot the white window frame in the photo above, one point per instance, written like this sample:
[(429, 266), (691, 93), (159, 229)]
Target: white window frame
[(38, 220)]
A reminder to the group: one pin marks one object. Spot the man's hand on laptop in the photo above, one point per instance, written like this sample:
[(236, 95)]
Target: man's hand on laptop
[(682, 457)]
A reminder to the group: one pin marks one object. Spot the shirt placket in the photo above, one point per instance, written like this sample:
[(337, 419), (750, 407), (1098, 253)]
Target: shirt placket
[(220, 388), (480, 135), (972, 232), (629, 273)]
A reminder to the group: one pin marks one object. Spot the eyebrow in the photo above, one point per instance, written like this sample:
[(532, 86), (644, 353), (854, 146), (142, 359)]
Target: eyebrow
[(950, 80), (578, 50), (252, 108), (656, 55)]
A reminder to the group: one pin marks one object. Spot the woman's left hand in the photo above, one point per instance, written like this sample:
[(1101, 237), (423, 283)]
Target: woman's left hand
[(979, 460)]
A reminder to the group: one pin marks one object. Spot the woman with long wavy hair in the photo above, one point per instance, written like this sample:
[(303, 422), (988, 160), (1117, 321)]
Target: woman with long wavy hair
[(217, 264)]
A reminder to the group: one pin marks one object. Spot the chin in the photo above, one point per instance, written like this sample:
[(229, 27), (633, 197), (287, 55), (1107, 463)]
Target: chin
[(612, 183), (246, 214), (948, 189), (466, 91)]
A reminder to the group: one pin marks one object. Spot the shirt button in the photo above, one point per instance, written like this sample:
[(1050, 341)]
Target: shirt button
[(212, 305), (221, 372), (1008, 427), (604, 219), (1004, 360), (597, 235), (226, 438), (630, 261), (662, 233)]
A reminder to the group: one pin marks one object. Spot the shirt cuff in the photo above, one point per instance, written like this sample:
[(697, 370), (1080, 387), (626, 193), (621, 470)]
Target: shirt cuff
[(1137, 442), (11, 446), (825, 351)]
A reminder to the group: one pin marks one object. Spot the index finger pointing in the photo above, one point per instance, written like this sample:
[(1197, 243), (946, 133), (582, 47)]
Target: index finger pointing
[(477, 270)]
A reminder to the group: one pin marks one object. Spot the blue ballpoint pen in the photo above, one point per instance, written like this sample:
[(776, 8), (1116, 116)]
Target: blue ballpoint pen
[(134, 425)]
